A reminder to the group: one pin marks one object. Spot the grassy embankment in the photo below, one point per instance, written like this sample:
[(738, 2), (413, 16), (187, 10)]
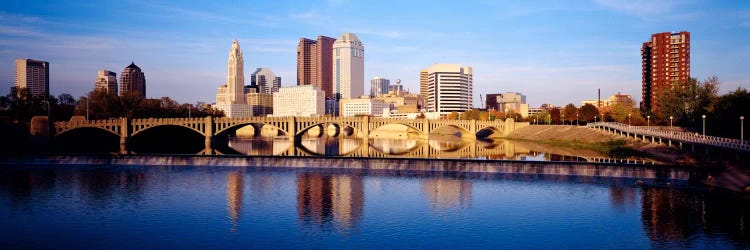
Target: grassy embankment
[(578, 138)]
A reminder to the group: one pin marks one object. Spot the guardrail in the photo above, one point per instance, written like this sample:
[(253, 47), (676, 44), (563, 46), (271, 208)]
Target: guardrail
[(676, 136)]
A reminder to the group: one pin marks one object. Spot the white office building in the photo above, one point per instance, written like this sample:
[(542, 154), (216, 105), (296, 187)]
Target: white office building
[(348, 67), (448, 88), (364, 106), (299, 101), (107, 81)]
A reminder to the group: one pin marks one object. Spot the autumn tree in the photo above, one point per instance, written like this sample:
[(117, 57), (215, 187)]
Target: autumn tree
[(587, 112), (569, 113), (555, 114)]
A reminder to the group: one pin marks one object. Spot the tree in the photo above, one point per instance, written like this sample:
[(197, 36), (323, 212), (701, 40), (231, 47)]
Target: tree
[(569, 112), (688, 101), (555, 116), (727, 109), (587, 112), (421, 115), (452, 116)]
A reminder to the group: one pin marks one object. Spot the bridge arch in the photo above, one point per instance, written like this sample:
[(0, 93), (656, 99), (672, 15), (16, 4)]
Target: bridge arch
[(301, 131), (137, 131), (464, 131), (242, 124), (66, 131), (407, 125), (488, 131)]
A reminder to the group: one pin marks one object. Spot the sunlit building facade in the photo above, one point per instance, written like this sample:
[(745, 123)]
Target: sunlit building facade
[(300, 101), (348, 67), (33, 75), (665, 60), (449, 87), (106, 81)]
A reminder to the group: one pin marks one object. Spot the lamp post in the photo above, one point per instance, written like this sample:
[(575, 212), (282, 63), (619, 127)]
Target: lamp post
[(742, 129), (704, 124), (576, 118), (648, 121), (629, 118), (670, 122), (594, 119), (87, 107)]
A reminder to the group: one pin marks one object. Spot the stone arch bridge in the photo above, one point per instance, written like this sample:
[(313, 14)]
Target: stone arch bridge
[(292, 127)]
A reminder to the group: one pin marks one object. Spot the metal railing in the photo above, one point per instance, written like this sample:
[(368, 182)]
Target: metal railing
[(675, 135)]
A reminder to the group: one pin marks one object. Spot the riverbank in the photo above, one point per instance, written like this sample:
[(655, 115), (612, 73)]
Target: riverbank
[(588, 139), (723, 173)]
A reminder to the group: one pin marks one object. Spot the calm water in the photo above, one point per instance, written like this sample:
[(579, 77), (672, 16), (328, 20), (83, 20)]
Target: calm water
[(445, 147), (71, 206)]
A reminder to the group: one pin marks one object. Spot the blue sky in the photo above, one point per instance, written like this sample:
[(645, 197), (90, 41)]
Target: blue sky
[(552, 51)]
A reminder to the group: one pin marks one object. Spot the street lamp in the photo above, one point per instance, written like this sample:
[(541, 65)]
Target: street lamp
[(742, 129), (648, 121), (704, 124), (670, 122), (629, 118), (576, 118), (595, 119)]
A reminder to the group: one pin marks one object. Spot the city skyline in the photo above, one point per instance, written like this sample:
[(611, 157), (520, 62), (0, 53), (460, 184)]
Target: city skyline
[(552, 52)]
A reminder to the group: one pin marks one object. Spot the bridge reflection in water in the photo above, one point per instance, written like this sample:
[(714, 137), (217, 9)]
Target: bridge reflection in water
[(443, 147)]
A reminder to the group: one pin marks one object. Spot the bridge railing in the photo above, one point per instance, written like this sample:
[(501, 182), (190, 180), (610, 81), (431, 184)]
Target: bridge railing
[(677, 136)]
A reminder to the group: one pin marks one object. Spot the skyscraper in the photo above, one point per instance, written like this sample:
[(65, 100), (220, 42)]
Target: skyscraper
[(348, 66), (315, 63), (107, 81), (379, 86), (132, 80), (33, 75), (235, 75), (665, 61), (230, 97), (448, 87), (266, 81)]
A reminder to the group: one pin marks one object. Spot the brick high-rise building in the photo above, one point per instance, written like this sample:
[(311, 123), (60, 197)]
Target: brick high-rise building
[(665, 62), (315, 63)]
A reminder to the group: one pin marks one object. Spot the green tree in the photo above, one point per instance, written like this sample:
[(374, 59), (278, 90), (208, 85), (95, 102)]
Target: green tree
[(688, 101)]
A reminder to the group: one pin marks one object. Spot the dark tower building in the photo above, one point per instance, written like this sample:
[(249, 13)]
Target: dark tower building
[(132, 80), (315, 63)]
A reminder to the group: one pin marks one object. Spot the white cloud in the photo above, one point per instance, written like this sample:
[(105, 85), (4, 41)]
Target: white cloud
[(648, 9)]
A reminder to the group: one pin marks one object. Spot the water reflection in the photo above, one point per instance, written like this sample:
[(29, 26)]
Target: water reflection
[(448, 147), (235, 188), (39, 203), (673, 217), (445, 194), (330, 200)]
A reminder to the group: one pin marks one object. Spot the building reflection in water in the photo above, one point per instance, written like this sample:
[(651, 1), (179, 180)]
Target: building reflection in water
[(235, 188), (622, 197), (330, 200), (445, 194), (260, 145), (395, 146), (672, 217)]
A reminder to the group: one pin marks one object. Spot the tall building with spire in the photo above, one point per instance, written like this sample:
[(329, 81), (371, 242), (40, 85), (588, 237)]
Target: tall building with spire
[(665, 62), (132, 80), (314, 63), (348, 67), (230, 97)]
